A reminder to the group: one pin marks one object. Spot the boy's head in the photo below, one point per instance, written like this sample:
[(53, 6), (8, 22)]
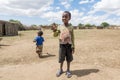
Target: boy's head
[(66, 16), (40, 33)]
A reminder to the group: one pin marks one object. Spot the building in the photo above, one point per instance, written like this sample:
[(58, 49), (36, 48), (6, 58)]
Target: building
[(8, 29)]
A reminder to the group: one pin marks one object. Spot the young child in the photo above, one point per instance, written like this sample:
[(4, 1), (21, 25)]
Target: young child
[(66, 40), (39, 43)]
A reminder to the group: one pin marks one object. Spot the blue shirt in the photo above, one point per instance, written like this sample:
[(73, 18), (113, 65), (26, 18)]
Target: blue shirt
[(39, 40)]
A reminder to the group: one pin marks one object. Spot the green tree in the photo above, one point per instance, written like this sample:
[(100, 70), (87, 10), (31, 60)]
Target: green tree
[(71, 24), (20, 25), (81, 26), (104, 24), (89, 26)]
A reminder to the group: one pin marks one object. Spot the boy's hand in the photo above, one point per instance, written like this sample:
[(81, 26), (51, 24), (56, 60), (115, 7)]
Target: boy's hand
[(34, 41), (54, 27), (73, 50)]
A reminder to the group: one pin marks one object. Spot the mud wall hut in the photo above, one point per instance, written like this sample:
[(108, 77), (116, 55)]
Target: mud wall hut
[(8, 29)]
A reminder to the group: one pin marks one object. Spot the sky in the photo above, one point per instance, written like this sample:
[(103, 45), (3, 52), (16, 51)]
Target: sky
[(45, 12)]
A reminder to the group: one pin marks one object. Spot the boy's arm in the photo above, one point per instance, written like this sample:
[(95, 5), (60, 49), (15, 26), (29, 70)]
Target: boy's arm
[(35, 40), (43, 39), (72, 38), (55, 30)]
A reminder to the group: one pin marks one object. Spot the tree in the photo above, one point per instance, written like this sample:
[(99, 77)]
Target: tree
[(20, 27), (33, 27), (104, 24), (81, 26), (71, 24), (89, 26)]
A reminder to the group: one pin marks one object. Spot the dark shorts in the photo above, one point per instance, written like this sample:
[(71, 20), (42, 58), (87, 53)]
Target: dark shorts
[(65, 52)]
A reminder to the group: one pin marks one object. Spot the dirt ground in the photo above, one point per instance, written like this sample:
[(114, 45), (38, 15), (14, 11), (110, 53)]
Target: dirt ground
[(96, 57)]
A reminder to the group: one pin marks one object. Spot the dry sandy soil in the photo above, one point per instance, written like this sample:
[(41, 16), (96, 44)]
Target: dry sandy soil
[(96, 57)]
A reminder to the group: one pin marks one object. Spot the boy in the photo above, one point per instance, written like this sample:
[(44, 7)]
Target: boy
[(66, 40), (39, 43)]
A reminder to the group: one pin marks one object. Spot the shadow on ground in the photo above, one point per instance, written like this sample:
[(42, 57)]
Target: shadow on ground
[(47, 55), (83, 72), (4, 45)]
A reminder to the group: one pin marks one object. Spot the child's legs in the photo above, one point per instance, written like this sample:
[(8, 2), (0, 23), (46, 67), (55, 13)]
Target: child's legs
[(39, 50)]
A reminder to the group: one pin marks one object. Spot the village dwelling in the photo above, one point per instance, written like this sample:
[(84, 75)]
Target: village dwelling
[(8, 29), (114, 27)]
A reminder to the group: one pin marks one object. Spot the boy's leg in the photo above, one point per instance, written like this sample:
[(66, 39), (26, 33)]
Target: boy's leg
[(61, 70), (39, 50), (69, 58), (40, 54), (61, 66), (61, 59), (62, 52), (68, 66), (68, 73)]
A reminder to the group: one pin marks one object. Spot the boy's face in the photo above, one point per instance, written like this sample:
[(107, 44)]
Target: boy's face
[(65, 17)]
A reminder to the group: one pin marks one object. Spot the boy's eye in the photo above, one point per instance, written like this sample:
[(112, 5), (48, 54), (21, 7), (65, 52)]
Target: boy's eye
[(64, 16)]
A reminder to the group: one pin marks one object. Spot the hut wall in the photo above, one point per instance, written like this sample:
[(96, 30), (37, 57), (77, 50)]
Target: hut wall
[(7, 28), (16, 29), (0, 29), (11, 29)]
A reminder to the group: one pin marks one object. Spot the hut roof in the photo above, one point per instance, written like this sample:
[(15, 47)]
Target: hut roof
[(2, 21)]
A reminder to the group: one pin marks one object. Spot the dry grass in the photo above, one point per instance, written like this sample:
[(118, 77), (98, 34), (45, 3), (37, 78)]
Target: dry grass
[(100, 47), (97, 47)]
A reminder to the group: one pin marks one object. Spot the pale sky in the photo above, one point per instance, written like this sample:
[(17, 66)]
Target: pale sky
[(48, 11)]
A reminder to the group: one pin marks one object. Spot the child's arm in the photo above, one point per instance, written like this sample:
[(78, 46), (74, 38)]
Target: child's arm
[(34, 40), (72, 38), (43, 39), (56, 32)]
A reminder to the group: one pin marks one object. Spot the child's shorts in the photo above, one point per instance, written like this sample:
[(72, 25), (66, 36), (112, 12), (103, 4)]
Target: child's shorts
[(65, 52), (39, 48)]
